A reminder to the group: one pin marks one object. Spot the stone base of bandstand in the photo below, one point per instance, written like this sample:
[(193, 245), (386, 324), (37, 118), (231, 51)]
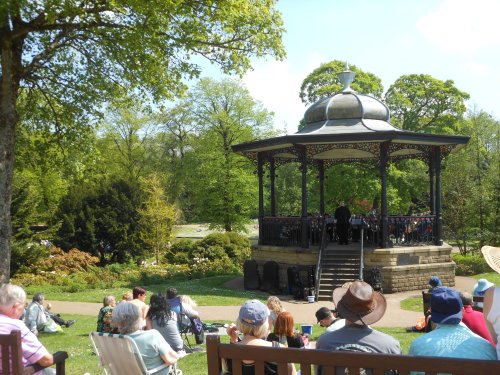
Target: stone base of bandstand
[(403, 268), (410, 268), (286, 257)]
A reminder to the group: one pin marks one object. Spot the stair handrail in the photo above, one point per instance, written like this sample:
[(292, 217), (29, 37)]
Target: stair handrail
[(362, 250), (322, 245)]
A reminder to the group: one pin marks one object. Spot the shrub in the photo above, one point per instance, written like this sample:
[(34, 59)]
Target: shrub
[(238, 239), (210, 252), (178, 253), (471, 264), (25, 256), (67, 262), (204, 267), (215, 239)]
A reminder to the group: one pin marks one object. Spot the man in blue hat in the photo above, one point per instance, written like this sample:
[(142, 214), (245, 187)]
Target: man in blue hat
[(451, 338)]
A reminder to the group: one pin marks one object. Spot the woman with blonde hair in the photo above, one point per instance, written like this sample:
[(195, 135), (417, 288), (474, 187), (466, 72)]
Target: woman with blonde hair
[(284, 331), (275, 308)]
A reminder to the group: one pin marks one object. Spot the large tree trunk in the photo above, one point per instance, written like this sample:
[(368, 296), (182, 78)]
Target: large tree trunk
[(10, 56)]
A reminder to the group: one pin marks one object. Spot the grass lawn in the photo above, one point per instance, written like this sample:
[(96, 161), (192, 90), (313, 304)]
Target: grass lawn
[(76, 342), (208, 291), (415, 303)]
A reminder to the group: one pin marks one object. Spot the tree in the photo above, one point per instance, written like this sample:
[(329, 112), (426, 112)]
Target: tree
[(61, 60), (421, 103), (157, 217), (124, 146), (470, 184), (178, 127), (224, 183), (324, 82), (102, 220)]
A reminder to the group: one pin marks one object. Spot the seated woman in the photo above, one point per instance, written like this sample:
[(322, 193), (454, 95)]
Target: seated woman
[(105, 314), (284, 331), (253, 323), (161, 318), (153, 348), (275, 308)]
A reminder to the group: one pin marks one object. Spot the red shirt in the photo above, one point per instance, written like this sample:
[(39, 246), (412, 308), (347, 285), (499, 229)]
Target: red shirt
[(475, 321)]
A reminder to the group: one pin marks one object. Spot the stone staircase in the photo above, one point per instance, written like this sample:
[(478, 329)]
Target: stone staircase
[(339, 264)]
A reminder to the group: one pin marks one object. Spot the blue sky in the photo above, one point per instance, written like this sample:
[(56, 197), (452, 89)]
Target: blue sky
[(448, 39)]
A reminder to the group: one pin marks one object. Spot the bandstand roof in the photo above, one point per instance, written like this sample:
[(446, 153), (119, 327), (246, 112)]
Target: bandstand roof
[(349, 127)]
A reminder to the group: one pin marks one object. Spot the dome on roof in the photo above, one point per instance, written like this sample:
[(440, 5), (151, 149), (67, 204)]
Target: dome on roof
[(341, 109), (347, 105)]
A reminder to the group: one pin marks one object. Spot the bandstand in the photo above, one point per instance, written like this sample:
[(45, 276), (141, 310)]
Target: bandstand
[(353, 128)]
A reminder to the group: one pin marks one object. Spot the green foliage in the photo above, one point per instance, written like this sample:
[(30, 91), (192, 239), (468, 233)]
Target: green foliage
[(421, 103), (323, 82), (215, 254), (225, 186), (26, 254), (471, 181), (62, 61), (157, 217), (103, 222), (470, 264)]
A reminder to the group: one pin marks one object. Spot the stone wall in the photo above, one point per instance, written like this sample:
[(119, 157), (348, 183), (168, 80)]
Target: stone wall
[(410, 268), (286, 257), (402, 268)]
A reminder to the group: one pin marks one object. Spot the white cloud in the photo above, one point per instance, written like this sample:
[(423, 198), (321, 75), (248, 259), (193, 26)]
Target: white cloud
[(277, 87), (463, 26)]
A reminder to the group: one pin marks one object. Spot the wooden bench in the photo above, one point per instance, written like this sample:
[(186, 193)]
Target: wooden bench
[(304, 360), (12, 357)]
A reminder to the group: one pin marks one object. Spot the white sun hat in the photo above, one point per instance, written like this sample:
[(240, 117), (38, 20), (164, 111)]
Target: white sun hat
[(492, 256)]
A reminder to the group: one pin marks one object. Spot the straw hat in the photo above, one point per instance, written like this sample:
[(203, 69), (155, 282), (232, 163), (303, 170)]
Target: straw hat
[(492, 256)]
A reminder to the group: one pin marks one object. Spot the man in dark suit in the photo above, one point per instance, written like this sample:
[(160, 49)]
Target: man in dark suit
[(343, 215)]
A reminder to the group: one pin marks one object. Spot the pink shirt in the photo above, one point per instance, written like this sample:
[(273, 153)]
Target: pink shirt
[(475, 321), (33, 350)]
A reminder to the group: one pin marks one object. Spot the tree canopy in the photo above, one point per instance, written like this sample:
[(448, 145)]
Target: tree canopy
[(323, 82), (422, 103), (61, 60)]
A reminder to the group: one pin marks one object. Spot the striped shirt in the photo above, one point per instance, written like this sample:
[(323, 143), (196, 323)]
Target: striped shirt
[(33, 350)]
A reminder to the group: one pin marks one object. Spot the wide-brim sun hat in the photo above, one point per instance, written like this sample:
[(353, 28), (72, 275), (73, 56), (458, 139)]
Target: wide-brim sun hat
[(482, 285), (359, 303), (492, 256)]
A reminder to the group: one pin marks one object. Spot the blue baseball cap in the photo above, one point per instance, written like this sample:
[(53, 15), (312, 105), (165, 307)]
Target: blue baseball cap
[(253, 313), (446, 306)]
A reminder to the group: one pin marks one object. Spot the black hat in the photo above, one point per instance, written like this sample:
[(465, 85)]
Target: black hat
[(323, 313)]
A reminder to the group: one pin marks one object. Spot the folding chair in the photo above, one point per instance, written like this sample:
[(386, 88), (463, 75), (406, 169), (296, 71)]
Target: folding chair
[(183, 323), (119, 355)]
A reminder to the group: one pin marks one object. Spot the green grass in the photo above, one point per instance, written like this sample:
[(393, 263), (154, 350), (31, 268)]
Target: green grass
[(208, 291), (196, 231), (412, 304), (415, 303), (76, 342)]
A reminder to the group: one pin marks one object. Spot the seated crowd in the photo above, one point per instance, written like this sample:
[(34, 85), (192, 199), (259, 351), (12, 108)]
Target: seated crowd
[(458, 331)]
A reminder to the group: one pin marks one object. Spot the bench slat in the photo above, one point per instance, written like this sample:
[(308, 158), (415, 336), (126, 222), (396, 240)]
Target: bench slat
[(329, 360)]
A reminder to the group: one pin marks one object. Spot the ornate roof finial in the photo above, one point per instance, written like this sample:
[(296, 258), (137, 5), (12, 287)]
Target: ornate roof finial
[(346, 77)]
